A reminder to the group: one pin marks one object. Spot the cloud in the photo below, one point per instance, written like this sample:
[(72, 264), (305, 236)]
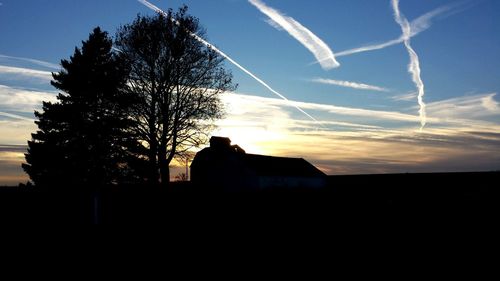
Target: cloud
[(16, 113), (12, 174), (264, 125), (11, 157), (417, 26), (323, 54), (268, 126), (33, 61), (414, 66), (250, 110), (348, 84), (467, 107), (15, 116), (390, 152), (333, 109), (13, 148), (22, 100), (305, 124), (490, 103), (16, 129), (21, 73), (204, 42), (405, 97)]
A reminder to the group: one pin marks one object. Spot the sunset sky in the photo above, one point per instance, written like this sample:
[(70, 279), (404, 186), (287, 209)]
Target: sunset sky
[(354, 87)]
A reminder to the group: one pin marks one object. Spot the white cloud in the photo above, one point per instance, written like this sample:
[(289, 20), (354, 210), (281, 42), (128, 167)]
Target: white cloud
[(14, 99), (15, 116), (265, 125), (21, 73), (16, 113), (467, 107), (33, 61), (323, 54), (460, 114), (349, 84), (490, 103), (16, 130), (333, 109), (10, 166)]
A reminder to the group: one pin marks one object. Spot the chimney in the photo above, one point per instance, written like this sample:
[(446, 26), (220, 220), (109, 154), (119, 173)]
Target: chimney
[(220, 143)]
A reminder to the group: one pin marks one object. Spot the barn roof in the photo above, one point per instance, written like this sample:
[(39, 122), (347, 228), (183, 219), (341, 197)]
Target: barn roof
[(264, 165), (221, 152)]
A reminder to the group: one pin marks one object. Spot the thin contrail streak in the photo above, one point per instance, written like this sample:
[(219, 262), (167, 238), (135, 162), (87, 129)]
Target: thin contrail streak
[(15, 116), (204, 42), (414, 66), (34, 61), (324, 55), (350, 84)]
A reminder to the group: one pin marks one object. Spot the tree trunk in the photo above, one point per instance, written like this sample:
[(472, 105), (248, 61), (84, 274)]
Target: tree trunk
[(153, 142), (153, 165), (164, 163), (165, 174)]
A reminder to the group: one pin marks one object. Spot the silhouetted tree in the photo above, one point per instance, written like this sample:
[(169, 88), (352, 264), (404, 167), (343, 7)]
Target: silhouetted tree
[(83, 138), (179, 81)]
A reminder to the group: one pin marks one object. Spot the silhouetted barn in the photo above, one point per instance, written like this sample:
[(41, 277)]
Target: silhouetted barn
[(228, 167)]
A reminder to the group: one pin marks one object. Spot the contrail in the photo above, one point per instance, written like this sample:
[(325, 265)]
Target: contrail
[(417, 26), (15, 116), (34, 61), (349, 84), (414, 66), (26, 72), (323, 54), (204, 42)]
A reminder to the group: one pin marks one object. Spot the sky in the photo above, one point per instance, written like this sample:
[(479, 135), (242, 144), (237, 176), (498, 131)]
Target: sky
[(354, 87)]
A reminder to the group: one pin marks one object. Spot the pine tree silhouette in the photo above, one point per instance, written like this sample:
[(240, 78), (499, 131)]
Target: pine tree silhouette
[(84, 138)]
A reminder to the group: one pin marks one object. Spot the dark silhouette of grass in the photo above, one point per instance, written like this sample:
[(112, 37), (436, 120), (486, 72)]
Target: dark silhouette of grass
[(402, 196)]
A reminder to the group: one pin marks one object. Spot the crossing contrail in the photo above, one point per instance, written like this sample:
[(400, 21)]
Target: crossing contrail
[(417, 26), (414, 66), (210, 46)]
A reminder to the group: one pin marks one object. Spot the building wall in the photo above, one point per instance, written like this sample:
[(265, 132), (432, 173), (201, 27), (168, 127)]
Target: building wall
[(226, 169), (291, 182)]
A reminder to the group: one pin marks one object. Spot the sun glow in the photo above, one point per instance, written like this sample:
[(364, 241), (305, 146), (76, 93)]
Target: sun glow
[(253, 140)]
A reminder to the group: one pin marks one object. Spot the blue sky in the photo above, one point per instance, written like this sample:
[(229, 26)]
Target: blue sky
[(358, 130)]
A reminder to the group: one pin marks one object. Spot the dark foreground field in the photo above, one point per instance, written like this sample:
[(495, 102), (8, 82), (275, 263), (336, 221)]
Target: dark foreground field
[(429, 196)]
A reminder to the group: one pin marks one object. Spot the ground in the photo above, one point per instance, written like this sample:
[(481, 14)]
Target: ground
[(453, 195)]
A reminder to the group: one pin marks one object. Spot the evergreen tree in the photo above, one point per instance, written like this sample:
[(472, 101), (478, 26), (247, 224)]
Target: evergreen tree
[(83, 138)]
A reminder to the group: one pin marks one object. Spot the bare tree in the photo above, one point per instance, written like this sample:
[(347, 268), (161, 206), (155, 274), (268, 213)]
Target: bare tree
[(178, 81)]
